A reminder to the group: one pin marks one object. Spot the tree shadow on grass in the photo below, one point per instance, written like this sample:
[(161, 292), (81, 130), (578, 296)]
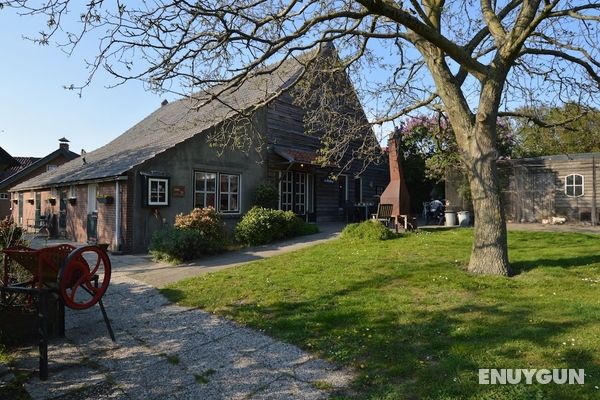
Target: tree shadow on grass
[(423, 350), (566, 262)]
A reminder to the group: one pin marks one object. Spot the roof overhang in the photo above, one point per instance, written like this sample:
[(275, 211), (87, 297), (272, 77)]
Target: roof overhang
[(296, 156)]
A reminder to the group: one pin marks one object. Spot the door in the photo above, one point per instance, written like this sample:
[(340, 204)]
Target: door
[(38, 210), (20, 209), (62, 216), (92, 214)]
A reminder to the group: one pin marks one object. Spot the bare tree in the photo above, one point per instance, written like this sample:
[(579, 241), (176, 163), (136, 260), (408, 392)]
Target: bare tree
[(473, 59)]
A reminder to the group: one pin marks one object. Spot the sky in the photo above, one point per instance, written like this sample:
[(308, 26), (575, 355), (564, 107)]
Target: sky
[(35, 109)]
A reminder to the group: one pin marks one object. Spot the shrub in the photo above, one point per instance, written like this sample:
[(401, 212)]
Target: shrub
[(10, 234), (266, 195), (194, 235), (205, 220), (264, 225), (177, 245), (367, 230)]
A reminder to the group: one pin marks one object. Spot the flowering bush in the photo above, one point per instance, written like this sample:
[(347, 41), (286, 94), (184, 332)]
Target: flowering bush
[(195, 234), (264, 225), (205, 220)]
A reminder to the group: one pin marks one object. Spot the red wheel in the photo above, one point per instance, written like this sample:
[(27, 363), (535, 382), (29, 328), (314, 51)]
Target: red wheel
[(84, 277)]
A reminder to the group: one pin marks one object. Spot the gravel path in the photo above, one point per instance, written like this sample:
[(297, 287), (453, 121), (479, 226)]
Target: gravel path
[(165, 351)]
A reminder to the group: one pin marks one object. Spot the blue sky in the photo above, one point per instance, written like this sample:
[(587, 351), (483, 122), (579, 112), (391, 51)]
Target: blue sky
[(35, 110)]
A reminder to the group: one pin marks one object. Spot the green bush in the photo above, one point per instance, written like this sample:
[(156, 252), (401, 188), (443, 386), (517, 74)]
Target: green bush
[(177, 245), (264, 225), (194, 235), (266, 195), (205, 220), (10, 234), (367, 230)]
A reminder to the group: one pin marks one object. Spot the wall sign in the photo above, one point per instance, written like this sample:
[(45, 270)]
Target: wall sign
[(178, 191)]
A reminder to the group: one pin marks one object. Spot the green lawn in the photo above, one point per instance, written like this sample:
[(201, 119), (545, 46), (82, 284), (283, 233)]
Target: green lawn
[(413, 323)]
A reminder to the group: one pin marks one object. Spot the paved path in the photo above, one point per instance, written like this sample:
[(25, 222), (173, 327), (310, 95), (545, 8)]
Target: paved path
[(142, 268), (164, 351)]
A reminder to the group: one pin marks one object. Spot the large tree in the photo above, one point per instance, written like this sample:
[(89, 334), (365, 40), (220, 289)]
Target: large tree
[(474, 59)]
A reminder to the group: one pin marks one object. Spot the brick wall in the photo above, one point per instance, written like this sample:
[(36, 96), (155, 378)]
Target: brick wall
[(77, 213)]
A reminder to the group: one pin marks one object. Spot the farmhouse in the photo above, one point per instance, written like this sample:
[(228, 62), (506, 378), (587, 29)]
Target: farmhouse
[(537, 189), (135, 185)]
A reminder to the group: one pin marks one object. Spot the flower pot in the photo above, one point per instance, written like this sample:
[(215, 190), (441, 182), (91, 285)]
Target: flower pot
[(16, 201), (52, 202), (30, 201), (105, 199), (450, 217), (464, 218), (72, 200)]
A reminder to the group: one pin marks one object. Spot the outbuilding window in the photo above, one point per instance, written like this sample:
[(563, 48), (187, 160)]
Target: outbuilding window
[(4, 196), (158, 192), (574, 184)]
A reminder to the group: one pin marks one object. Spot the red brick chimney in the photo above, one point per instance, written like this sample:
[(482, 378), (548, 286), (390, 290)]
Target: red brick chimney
[(396, 192), (63, 143)]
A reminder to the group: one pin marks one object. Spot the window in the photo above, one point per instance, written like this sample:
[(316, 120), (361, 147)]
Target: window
[(286, 195), (224, 197), (296, 192), (229, 193), (206, 190), (4, 196), (50, 167), (300, 193), (158, 192), (358, 198), (574, 185), (72, 192)]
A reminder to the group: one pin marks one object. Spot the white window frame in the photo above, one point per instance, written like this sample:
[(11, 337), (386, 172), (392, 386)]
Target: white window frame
[(360, 194), (204, 190), (164, 202), (300, 193), (229, 193), (574, 185), (92, 201), (50, 167), (4, 196), (286, 190), (72, 192)]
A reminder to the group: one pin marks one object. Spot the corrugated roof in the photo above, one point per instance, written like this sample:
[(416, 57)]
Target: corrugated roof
[(169, 125)]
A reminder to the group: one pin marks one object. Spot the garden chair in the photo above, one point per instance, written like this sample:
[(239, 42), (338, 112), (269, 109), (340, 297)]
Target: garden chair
[(384, 214)]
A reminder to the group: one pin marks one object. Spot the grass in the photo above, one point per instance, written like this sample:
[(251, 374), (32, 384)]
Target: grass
[(203, 378), (407, 317)]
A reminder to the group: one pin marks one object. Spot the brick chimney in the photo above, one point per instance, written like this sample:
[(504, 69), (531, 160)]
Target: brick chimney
[(63, 143), (396, 192)]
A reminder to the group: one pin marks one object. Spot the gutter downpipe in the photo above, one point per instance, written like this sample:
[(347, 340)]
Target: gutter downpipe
[(117, 241)]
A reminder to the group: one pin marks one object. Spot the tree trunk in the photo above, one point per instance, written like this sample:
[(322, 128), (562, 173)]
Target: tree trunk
[(489, 254)]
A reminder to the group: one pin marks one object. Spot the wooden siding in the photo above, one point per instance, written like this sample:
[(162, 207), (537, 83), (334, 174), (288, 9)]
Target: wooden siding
[(535, 189)]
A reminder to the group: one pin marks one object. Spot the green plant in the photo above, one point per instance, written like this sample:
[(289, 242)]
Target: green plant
[(264, 225), (10, 234), (205, 220), (266, 195), (407, 317), (177, 245), (367, 230)]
